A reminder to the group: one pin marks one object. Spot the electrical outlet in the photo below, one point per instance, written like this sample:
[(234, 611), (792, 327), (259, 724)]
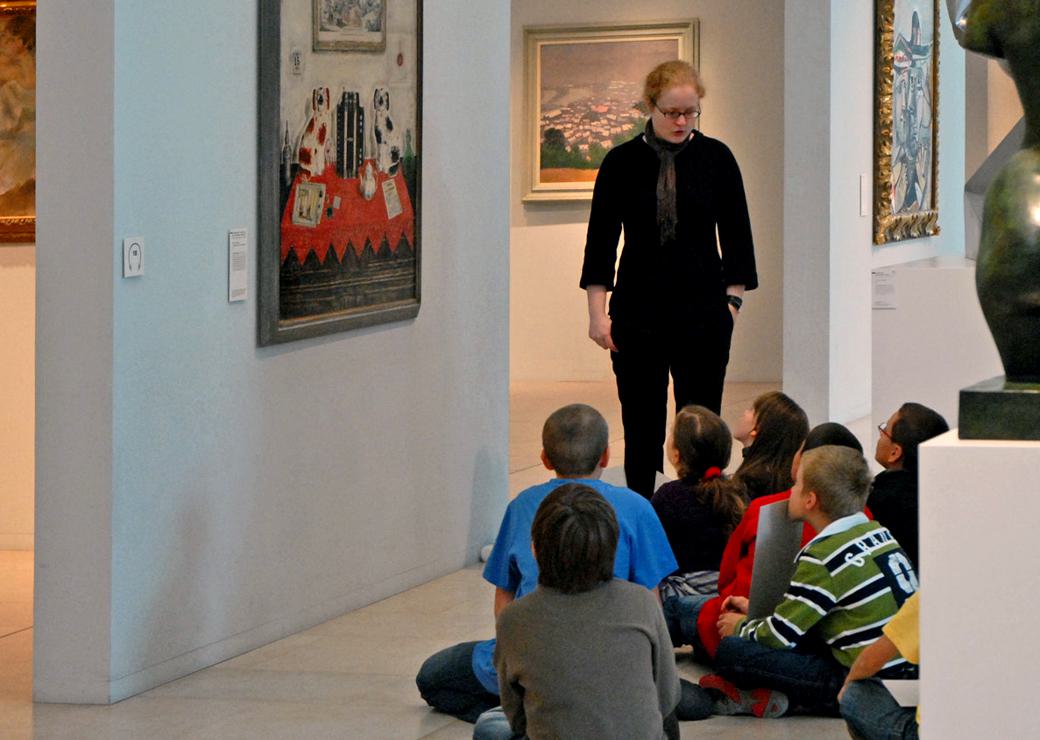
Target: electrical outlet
[(133, 257), (296, 62)]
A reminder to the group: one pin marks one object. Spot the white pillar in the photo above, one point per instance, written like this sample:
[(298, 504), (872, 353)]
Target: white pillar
[(979, 512)]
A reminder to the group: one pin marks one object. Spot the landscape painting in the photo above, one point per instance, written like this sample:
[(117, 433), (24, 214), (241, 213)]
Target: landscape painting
[(584, 91)]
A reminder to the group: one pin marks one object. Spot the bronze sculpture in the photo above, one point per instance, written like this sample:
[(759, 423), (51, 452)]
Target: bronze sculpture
[(1008, 270)]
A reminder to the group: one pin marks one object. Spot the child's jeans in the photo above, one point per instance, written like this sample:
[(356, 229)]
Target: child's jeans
[(680, 614), (872, 713), (810, 681)]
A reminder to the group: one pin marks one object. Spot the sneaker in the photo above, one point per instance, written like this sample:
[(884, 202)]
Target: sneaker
[(694, 702), (729, 699)]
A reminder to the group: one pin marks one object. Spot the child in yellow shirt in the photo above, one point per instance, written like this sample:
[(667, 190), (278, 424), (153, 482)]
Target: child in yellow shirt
[(867, 706)]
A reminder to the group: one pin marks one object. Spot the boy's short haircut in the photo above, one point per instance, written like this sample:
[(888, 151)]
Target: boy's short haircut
[(575, 535), (574, 439), (915, 424), (839, 477)]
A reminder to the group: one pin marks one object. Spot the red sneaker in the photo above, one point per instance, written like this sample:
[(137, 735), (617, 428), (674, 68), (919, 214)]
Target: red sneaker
[(729, 699)]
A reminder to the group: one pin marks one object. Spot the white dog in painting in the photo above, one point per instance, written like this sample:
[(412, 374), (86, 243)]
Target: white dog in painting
[(317, 137), (388, 140)]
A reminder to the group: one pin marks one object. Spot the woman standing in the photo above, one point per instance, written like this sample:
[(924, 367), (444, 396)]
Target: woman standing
[(678, 290)]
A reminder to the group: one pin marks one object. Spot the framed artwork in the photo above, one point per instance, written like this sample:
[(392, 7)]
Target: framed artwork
[(339, 172), (906, 123), (18, 122), (584, 89), (349, 25)]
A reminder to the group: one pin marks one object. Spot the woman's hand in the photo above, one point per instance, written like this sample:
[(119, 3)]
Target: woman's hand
[(733, 312), (599, 332), (599, 322)]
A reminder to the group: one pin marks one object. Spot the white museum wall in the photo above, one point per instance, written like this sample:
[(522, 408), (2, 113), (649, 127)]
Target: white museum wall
[(17, 383), (934, 342), (254, 492), (742, 61), (74, 271), (829, 59)]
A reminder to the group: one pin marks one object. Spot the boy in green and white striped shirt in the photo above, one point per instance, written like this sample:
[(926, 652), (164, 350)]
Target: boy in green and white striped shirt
[(848, 582)]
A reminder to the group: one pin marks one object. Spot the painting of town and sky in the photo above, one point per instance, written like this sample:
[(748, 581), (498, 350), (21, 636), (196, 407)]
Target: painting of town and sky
[(590, 99)]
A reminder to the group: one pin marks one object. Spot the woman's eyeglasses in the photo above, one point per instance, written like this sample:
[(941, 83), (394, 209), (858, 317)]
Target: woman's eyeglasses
[(883, 428), (674, 115)]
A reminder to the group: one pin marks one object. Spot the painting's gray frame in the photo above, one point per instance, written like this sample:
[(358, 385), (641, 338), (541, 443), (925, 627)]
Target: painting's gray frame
[(686, 31), (344, 45), (270, 328)]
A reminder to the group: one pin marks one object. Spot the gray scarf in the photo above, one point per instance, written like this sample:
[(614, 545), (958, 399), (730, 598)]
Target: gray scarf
[(667, 216)]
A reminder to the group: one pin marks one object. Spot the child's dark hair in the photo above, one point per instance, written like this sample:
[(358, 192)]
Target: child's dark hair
[(575, 535), (781, 427), (915, 424), (703, 442)]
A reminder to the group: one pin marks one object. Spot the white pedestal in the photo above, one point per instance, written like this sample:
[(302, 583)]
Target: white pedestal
[(980, 580)]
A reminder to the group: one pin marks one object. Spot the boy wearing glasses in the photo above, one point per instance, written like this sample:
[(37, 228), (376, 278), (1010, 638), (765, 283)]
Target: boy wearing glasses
[(893, 497)]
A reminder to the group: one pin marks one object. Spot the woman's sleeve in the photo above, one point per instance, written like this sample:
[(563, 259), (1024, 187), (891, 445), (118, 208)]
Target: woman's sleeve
[(734, 225), (601, 241)]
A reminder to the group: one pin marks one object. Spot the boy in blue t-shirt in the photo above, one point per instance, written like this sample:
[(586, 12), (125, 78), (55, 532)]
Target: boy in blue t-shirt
[(461, 680)]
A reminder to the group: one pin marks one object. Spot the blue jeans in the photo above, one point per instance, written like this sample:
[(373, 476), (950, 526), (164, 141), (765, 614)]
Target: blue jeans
[(810, 681), (680, 614), (873, 714), (447, 683), (494, 725)]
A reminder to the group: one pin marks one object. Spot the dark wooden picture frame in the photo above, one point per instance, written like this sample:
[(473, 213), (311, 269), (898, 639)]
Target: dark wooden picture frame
[(332, 122), (906, 120)]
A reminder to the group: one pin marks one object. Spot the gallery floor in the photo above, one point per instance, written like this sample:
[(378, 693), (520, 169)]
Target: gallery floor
[(352, 677)]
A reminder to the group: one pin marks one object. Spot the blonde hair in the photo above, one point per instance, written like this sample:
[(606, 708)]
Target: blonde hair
[(671, 74), (839, 477)]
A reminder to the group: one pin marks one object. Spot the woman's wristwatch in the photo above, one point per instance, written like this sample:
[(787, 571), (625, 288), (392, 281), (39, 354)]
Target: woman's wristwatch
[(736, 301)]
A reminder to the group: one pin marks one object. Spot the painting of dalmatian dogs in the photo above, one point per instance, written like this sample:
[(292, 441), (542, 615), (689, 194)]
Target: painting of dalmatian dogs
[(317, 136), (388, 139), (340, 165)]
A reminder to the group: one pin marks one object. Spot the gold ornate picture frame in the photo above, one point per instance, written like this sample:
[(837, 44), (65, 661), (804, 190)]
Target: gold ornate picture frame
[(18, 124), (906, 120)]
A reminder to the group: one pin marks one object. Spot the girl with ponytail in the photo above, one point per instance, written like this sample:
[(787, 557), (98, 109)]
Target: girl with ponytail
[(700, 510)]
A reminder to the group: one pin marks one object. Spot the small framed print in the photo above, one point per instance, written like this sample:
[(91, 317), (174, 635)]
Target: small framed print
[(349, 25), (310, 198)]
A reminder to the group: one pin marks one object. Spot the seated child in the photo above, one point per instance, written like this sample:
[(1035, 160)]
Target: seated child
[(848, 582), (584, 655), (870, 711), (771, 431), (699, 510), (893, 498), (738, 558), (461, 680)]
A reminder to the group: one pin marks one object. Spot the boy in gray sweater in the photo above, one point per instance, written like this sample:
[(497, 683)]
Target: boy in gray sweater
[(585, 655)]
